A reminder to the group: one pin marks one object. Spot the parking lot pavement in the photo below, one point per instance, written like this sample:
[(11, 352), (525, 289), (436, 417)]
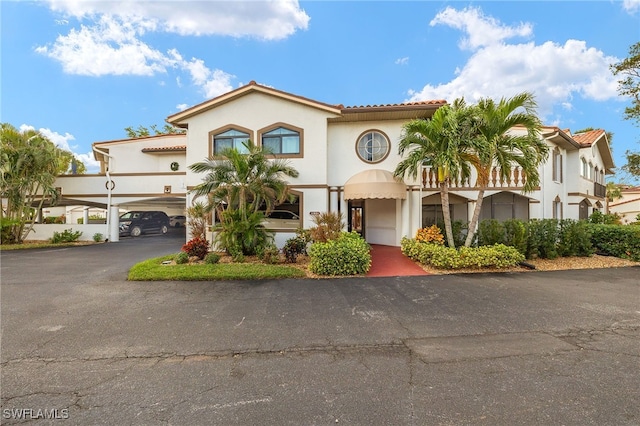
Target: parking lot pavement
[(519, 348)]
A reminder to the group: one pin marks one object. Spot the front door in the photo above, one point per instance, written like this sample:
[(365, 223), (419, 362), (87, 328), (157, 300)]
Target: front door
[(356, 216)]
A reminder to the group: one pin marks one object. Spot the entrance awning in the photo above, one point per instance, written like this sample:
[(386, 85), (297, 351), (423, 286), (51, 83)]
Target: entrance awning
[(375, 183)]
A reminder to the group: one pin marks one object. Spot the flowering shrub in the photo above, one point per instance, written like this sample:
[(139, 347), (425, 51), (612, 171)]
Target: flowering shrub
[(431, 234), (349, 254), (196, 247)]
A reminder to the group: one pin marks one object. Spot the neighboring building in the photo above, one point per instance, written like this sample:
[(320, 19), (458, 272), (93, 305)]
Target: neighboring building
[(346, 157), (628, 205)]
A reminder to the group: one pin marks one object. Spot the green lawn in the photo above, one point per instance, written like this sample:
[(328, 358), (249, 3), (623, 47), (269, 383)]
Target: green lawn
[(38, 245), (154, 270)]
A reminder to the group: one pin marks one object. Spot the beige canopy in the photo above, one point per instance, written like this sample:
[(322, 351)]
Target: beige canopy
[(375, 183)]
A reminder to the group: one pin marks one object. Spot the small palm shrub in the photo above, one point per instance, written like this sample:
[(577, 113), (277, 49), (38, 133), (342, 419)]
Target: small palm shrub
[(328, 227), (97, 237), (196, 247), (348, 254), (66, 236), (239, 236)]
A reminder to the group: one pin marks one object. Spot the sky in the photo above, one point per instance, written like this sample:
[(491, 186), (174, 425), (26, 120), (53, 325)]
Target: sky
[(81, 71)]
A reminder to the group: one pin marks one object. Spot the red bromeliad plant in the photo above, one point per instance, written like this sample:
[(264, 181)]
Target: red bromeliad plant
[(196, 247)]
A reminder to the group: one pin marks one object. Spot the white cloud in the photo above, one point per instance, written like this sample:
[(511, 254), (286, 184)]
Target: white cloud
[(182, 107), (113, 44), (110, 47), (553, 72), (631, 6), (212, 82), (268, 20), (480, 30), (62, 142), (402, 61)]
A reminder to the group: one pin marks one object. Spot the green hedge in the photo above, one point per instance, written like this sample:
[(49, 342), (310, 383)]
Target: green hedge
[(617, 240), (439, 256), (349, 254)]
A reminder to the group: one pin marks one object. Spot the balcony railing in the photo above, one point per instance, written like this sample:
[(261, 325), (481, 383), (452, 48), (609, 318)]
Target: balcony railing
[(515, 180), (599, 190)]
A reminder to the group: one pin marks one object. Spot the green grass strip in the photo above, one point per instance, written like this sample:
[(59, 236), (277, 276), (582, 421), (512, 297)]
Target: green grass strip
[(154, 270)]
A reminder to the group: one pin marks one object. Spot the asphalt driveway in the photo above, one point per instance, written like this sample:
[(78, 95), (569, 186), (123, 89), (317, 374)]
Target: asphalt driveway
[(81, 342)]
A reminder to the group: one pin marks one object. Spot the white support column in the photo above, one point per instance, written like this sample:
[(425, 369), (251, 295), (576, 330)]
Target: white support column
[(85, 215), (114, 225), (343, 206), (333, 199)]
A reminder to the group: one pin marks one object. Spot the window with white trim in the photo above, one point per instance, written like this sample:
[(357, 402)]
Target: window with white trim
[(584, 171)]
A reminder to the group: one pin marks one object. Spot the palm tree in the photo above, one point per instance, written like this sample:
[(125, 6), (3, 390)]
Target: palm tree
[(444, 142), (244, 183), (496, 146), (29, 163)]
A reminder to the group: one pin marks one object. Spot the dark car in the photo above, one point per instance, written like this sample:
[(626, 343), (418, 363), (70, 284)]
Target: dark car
[(135, 223)]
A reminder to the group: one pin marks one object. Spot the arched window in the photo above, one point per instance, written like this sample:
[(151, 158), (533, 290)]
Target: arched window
[(229, 137), (283, 140), (557, 208), (557, 165), (584, 171)]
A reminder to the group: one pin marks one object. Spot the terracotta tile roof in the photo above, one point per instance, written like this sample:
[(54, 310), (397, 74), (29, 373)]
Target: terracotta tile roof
[(400, 105), (588, 138), (165, 148)]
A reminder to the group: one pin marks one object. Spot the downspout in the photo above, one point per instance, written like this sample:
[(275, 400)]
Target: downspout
[(108, 191)]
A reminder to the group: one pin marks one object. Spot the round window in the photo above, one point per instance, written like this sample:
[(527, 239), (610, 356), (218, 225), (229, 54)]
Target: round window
[(373, 146)]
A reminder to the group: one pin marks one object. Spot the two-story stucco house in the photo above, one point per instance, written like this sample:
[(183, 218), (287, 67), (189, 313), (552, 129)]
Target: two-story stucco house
[(346, 157)]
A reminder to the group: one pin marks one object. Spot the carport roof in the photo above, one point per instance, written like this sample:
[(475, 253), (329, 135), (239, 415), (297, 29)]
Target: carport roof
[(64, 202)]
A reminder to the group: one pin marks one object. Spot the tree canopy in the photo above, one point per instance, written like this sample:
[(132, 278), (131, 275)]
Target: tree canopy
[(142, 131), (29, 164), (629, 86), (239, 186), (445, 142)]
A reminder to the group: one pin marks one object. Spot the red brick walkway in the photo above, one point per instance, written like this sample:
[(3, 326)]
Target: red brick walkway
[(388, 261)]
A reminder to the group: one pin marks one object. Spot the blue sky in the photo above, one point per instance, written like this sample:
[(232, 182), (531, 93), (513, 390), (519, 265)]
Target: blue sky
[(82, 71)]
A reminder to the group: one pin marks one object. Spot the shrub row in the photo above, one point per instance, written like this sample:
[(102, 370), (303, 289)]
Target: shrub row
[(349, 254), (439, 256), (617, 240), (544, 238)]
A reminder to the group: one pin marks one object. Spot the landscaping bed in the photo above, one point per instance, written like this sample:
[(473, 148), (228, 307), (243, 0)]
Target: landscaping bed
[(562, 263)]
